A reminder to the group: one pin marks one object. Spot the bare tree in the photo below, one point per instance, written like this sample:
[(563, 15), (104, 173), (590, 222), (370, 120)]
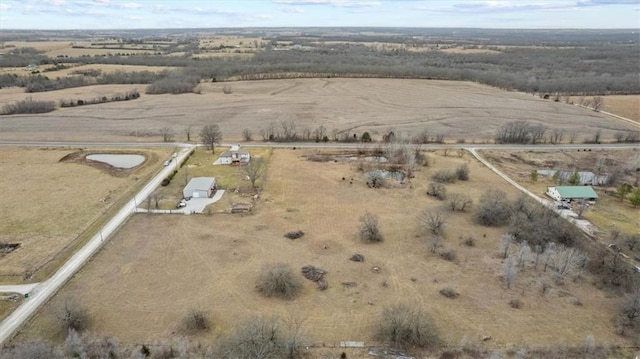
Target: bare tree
[(247, 134), (187, 131), (288, 130), (556, 136), (582, 207), (167, 134), (506, 241), (319, 133), (510, 271), (597, 135), (210, 135), (597, 102), (567, 263), (255, 170), (459, 202), (369, 231), (432, 222), (537, 133)]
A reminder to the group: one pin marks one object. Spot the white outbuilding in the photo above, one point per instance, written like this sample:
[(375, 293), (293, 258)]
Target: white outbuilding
[(200, 187)]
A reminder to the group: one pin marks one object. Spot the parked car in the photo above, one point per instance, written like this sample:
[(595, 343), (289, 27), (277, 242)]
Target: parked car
[(181, 204), (167, 162)]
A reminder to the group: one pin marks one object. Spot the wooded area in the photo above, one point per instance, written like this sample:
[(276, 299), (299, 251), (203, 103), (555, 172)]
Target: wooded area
[(571, 62)]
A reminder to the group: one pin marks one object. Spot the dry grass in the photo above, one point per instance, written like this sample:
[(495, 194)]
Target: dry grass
[(105, 68), (47, 204), (623, 105), (455, 109), (13, 94), (157, 267)]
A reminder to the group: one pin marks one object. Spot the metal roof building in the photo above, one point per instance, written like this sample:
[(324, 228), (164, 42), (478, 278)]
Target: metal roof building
[(199, 187)]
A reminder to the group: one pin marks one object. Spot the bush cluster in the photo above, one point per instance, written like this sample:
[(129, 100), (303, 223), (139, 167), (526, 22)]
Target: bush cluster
[(28, 105), (131, 95)]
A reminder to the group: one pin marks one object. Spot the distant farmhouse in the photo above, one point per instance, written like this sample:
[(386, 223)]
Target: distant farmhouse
[(572, 193), (200, 187), (234, 156)]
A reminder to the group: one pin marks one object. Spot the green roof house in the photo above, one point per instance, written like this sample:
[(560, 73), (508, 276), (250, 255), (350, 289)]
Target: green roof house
[(571, 193)]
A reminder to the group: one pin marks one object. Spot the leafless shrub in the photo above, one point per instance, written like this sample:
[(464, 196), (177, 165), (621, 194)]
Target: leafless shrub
[(369, 229), (88, 346), (294, 234), (406, 327), (516, 303), (434, 242), (432, 222), (196, 321), (247, 134), (73, 316), (449, 255), (437, 190), (469, 241), (226, 89), (462, 172), (493, 209), (261, 337), (28, 105), (629, 317), (449, 292), (32, 350), (445, 176), (277, 280), (459, 202)]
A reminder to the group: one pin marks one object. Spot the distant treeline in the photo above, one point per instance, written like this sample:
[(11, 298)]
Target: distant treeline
[(573, 66)]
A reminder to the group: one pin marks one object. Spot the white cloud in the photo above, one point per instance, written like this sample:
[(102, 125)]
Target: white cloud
[(293, 10), (132, 5), (334, 3), (5, 7)]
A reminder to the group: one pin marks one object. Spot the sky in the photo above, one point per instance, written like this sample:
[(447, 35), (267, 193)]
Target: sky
[(149, 14)]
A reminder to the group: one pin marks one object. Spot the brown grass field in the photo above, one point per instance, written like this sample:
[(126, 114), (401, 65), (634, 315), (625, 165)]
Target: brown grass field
[(105, 68), (623, 105), (48, 205), (158, 267), (455, 109)]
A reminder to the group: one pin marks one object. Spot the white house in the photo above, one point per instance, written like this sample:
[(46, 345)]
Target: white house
[(237, 156), (571, 193), (200, 187)]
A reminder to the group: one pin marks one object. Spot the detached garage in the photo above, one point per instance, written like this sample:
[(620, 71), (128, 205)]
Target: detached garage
[(572, 193), (200, 187)]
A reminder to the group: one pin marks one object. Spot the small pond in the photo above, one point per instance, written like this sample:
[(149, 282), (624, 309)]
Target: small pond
[(118, 160), (396, 175)]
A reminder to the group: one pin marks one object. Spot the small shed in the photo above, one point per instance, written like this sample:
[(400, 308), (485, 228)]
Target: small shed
[(571, 193), (200, 187)]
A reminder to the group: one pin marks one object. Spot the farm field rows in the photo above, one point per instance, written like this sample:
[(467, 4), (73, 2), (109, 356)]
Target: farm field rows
[(158, 267), (457, 110)]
